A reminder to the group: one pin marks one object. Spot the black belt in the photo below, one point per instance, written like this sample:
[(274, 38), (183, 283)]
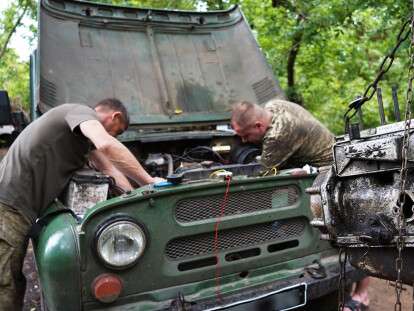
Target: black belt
[(37, 227)]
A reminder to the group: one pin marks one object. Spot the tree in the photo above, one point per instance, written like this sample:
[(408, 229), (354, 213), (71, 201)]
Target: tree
[(326, 52), (12, 20), (14, 73), (14, 77)]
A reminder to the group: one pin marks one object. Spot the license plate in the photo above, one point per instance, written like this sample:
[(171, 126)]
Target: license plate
[(286, 298)]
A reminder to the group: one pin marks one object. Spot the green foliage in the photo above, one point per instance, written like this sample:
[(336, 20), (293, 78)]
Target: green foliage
[(14, 77), (324, 52), (342, 45), (14, 73)]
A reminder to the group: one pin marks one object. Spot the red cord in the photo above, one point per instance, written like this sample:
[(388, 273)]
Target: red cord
[(216, 238)]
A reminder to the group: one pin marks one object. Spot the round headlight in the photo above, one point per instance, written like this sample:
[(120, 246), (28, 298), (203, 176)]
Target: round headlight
[(121, 243)]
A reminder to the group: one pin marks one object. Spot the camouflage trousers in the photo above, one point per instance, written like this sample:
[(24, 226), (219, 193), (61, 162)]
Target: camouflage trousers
[(13, 244)]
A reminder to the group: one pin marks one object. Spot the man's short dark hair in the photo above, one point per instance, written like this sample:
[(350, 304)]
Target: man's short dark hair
[(115, 105), (245, 112)]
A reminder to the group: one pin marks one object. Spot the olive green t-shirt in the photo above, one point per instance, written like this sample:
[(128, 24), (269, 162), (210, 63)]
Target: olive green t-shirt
[(43, 158)]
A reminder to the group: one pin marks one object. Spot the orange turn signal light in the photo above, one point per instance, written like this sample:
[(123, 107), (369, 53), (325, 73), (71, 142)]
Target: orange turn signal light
[(106, 287)]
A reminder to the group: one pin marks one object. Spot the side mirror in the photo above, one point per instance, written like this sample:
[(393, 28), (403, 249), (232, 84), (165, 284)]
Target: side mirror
[(5, 109)]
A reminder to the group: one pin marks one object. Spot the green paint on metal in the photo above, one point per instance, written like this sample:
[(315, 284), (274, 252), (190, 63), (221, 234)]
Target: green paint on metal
[(59, 244), (168, 67), (57, 258), (175, 71)]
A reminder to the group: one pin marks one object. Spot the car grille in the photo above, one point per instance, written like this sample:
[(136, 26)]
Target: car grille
[(253, 235), (196, 209)]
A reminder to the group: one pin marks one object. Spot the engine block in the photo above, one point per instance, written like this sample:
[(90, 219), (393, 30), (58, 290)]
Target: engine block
[(355, 201)]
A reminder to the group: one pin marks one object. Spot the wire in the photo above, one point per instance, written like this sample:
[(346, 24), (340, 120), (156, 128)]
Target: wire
[(199, 153), (215, 173), (271, 172), (216, 237)]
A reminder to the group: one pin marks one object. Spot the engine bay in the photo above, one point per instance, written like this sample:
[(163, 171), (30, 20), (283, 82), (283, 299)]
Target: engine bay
[(177, 158), (180, 154)]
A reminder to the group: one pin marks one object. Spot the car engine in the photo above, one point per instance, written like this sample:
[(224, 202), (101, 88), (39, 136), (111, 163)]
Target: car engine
[(355, 202), (364, 202), (180, 154), (181, 161)]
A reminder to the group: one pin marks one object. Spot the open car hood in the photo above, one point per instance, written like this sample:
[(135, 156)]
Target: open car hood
[(168, 67)]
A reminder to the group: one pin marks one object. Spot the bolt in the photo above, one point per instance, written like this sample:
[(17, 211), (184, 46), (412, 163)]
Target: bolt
[(313, 190)]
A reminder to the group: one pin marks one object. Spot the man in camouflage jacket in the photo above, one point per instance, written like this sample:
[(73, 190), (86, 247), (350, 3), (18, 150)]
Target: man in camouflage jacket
[(291, 136)]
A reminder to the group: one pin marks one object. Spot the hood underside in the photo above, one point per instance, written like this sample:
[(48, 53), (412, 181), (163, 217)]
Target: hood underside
[(166, 66)]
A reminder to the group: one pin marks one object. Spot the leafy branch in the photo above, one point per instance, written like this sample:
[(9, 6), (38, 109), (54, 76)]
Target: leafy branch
[(12, 30)]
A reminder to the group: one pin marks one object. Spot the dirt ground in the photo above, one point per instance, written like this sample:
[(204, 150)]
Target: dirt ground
[(382, 296), (32, 297)]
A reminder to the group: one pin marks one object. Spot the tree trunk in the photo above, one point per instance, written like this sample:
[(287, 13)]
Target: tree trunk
[(293, 52), (292, 93), (10, 34)]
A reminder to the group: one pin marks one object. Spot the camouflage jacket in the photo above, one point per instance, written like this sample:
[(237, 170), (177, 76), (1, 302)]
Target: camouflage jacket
[(295, 138)]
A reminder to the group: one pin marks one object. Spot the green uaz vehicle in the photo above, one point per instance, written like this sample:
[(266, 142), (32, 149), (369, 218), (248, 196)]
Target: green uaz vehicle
[(218, 235)]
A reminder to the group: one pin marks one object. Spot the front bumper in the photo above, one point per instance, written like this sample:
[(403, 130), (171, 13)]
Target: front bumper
[(299, 287), (244, 300)]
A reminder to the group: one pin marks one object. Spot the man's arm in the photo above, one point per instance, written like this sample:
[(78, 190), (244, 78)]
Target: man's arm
[(275, 153), (116, 152), (282, 142), (102, 163)]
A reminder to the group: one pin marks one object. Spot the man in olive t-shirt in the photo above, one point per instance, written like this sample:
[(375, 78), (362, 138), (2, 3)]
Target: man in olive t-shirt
[(40, 163)]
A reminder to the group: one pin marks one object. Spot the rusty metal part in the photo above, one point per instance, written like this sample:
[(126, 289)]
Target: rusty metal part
[(388, 148), (317, 270), (403, 174), (364, 203), (381, 106), (397, 115), (357, 210), (315, 198), (379, 262), (342, 258)]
